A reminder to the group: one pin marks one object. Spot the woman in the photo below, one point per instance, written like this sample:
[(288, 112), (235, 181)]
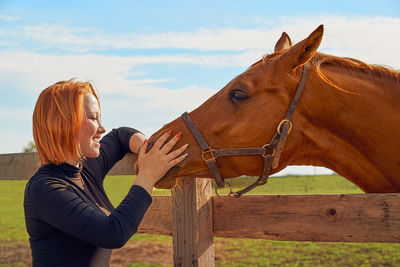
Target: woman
[(69, 218)]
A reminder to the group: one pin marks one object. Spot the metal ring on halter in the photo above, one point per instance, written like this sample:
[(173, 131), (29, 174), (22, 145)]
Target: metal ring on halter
[(265, 155), (281, 123), (225, 184)]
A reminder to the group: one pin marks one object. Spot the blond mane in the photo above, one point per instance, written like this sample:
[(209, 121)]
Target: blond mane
[(359, 66), (340, 62)]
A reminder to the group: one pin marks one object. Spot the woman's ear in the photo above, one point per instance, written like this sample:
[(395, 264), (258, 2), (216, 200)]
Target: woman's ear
[(283, 43), (302, 52)]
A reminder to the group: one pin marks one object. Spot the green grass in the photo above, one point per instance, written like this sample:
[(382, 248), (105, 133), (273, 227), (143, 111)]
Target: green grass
[(12, 226), (251, 252), (12, 222), (118, 186), (324, 184), (231, 252)]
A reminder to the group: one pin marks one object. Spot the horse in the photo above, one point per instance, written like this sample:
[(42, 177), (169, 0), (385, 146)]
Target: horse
[(347, 119)]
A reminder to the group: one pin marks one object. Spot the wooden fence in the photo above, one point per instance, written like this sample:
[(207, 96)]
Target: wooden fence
[(193, 216)]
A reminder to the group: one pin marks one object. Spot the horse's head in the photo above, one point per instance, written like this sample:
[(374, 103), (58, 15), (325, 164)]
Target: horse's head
[(245, 113)]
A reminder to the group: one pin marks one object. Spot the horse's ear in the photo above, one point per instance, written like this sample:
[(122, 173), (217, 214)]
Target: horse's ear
[(302, 52), (283, 43)]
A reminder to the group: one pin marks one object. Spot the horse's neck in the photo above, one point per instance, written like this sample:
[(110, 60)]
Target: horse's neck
[(354, 133)]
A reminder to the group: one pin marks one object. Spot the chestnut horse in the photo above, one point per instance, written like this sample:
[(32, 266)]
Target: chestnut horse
[(347, 119)]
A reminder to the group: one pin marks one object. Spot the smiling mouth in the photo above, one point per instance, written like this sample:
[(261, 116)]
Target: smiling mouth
[(96, 140)]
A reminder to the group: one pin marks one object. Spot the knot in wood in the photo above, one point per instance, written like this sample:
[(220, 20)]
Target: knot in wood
[(331, 212)]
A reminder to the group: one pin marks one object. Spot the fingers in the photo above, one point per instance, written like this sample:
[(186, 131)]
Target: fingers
[(177, 152), (161, 140), (168, 146), (154, 163), (176, 161), (159, 144)]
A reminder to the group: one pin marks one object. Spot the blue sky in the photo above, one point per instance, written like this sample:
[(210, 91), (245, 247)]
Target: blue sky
[(152, 60)]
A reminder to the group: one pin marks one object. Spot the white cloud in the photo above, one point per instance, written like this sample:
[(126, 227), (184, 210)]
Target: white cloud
[(111, 73), (352, 34), (372, 39), (13, 141), (134, 99), (15, 114), (130, 99), (77, 39), (16, 130), (9, 18)]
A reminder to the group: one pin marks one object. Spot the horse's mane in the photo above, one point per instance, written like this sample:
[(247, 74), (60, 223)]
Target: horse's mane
[(357, 65), (265, 58), (341, 62), (344, 62)]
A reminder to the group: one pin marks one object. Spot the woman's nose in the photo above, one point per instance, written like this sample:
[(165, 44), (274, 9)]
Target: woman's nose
[(101, 128)]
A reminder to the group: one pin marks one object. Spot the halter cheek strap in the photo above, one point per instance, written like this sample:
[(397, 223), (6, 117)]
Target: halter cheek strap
[(271, 151)]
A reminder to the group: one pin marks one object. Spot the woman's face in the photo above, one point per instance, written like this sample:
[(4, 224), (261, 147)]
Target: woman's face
[(92, 129)]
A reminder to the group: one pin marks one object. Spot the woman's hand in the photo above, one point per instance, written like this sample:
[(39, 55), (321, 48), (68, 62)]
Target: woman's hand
[(158, 160)]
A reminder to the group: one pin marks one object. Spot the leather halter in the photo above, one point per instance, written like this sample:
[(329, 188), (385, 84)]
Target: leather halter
[(271, 151)]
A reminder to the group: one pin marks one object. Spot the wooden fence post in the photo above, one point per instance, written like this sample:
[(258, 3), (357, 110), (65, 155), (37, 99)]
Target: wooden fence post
[(192, 223)]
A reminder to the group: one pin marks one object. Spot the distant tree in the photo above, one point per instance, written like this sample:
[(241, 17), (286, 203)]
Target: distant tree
[(30, 147)]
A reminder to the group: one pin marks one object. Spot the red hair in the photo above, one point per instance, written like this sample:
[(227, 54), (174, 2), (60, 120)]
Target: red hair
[(57, 119)]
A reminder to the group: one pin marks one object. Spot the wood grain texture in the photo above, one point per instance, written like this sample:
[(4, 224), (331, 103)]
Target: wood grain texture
[(192, 223), (22, 166), (349, 218), (158, 218), (18, 166), (124, 166)]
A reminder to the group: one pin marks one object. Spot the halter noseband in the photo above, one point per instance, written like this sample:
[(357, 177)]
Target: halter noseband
[(271, 151)]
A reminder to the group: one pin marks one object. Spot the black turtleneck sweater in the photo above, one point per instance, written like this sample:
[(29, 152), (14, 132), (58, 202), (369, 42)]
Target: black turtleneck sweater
[(69, 218)]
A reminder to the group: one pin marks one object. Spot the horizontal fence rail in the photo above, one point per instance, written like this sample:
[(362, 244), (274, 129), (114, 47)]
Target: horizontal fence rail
[(349, 218), (327, 218), (22, 166)]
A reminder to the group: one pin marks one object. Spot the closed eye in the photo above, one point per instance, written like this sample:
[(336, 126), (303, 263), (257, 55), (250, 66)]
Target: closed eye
[(238, 95), (94, 117)]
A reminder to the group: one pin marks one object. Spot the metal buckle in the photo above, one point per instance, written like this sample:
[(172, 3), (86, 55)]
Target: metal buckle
[(212, 157), (225, 184), (281, 123), (267, 146)]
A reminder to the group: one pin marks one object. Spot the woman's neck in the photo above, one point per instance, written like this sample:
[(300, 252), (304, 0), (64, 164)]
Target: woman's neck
[(73, 162)]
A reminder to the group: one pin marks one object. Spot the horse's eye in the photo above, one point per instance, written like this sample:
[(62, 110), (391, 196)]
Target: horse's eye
[(238, 95)]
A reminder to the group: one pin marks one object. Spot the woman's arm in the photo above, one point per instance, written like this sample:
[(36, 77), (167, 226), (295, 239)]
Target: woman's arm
[(152, 164), (136, 141), (113, 147), (51, 200), (54, 202)]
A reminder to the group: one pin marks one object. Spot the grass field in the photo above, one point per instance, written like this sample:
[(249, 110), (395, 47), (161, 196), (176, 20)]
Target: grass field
[(229, 252)]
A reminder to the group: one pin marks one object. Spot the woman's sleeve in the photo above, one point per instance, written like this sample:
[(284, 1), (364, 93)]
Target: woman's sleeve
[(60, 206), (113, 147)]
